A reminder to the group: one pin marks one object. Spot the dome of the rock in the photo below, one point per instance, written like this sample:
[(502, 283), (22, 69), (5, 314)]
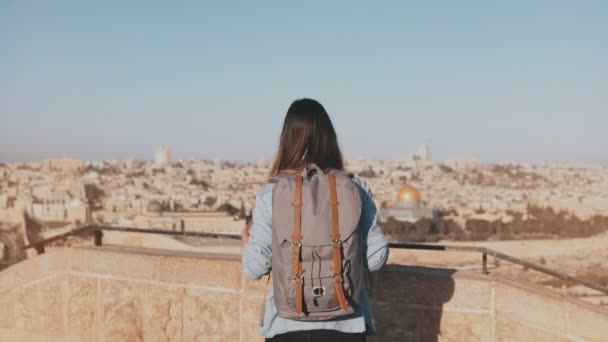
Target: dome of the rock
[(408, 194)]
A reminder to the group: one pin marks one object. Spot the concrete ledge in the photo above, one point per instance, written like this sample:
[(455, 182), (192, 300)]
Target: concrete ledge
[(544, 292), (586, 323), (34, 269), (135, 294), (19, 335), (530, 307)]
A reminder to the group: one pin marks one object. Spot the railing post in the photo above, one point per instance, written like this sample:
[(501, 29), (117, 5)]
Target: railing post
[(39, 249), (484, 258), (98, 235)]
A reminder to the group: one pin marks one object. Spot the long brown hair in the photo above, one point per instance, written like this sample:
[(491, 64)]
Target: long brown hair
[(308, 136)]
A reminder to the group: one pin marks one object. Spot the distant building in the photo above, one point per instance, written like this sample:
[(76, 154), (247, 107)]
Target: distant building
[(154, 207), (59, 211), (424, 152), (162, 157), (422, 155), (408, 206), (462, 163), (78, 212), (4, 201), (63, 164), (210, 222)]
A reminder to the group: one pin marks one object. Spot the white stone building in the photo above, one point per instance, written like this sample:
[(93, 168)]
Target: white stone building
[(162, 157)]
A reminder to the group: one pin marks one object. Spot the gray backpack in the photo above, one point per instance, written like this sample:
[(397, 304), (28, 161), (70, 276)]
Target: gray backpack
[(317, 264)]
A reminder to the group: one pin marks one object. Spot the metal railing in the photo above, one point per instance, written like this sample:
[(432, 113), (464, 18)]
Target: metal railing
[(97, 232), (498, 255)]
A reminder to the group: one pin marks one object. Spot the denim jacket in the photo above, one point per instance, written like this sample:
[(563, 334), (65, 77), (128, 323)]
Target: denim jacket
[(256, 262)]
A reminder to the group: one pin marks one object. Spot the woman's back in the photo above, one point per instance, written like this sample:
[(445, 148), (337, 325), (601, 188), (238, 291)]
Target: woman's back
[(308, 136)]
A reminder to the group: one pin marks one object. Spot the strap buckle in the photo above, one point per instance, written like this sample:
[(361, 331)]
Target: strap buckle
[(337, 243), (298, 243), (338, 278)]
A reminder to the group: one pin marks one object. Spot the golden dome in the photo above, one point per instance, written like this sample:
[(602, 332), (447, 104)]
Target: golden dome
[(408, 194)]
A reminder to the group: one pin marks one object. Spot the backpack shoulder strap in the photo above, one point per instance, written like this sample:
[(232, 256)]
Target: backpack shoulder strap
[(296, 269)]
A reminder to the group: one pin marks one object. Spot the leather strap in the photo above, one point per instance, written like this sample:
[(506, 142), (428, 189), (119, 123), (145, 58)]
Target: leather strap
[(299, 295), (296, 269), (297, 207), (336, 242)]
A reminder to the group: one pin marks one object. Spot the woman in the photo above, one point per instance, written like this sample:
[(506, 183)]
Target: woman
[(308, 136)]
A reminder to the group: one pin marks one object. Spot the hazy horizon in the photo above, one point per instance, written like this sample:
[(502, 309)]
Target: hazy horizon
[(347, 158), (494, 82)]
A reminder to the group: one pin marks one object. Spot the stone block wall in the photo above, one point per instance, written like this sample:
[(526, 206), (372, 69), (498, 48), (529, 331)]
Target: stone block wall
[(134, 294)]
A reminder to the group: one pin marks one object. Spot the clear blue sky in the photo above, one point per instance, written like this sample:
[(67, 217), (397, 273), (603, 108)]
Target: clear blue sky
[(519, 80)]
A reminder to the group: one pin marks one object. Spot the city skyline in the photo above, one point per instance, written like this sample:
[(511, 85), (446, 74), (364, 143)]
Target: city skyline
[(404, 158), (488, 81)]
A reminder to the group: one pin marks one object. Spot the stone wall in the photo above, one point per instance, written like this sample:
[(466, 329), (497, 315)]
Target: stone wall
[(134, 294)]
